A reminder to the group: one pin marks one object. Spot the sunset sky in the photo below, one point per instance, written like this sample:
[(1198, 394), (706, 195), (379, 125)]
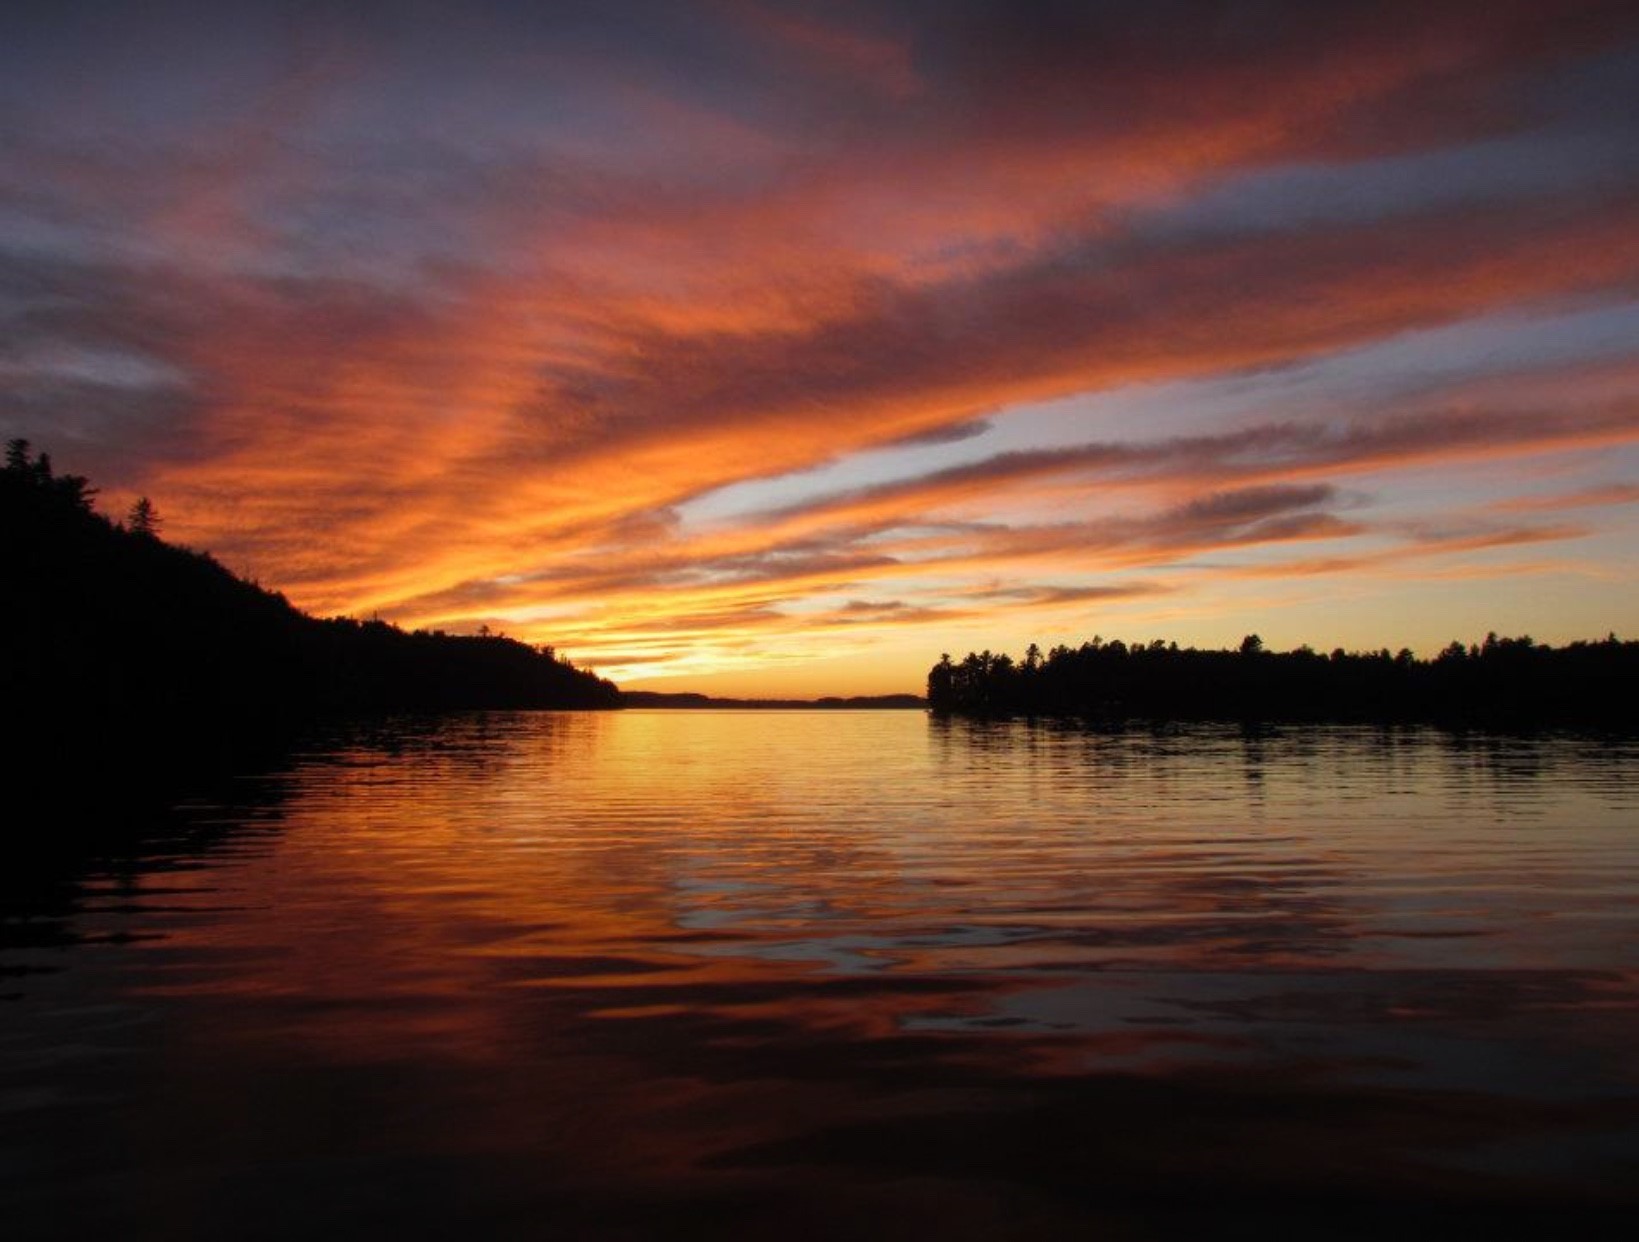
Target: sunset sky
[(775, 348)]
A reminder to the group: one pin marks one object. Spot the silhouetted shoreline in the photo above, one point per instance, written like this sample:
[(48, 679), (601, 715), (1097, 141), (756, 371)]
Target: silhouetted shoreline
[(130, 660), (1502, 682)]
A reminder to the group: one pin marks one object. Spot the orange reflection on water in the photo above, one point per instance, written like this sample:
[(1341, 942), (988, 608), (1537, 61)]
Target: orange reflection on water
[(736, 965)]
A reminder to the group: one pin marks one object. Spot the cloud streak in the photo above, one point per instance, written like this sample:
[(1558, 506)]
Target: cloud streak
[(474, 325)]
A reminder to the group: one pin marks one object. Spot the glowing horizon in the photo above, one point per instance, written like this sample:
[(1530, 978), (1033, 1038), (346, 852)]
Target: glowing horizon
[(764, 348)]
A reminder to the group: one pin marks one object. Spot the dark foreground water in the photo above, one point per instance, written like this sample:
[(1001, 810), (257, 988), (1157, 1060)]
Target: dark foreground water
[(842, 975)]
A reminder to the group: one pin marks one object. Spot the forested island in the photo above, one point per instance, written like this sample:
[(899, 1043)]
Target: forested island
[(1507, 681), (122, 650)]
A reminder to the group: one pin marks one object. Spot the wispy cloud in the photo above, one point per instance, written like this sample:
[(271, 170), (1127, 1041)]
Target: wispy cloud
[(453, 320)]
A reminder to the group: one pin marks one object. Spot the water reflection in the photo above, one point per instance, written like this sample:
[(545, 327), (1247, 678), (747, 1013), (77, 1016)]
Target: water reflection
[(725, 973)]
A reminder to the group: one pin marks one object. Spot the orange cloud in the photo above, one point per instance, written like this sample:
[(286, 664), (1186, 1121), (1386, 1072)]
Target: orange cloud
[(486, 380)]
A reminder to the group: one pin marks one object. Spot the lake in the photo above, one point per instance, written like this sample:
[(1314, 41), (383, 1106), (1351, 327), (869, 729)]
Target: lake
[(841, 974)]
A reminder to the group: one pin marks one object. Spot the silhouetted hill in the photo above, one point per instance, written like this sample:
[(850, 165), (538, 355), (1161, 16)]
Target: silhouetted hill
[(1511, 681), (120, 646)]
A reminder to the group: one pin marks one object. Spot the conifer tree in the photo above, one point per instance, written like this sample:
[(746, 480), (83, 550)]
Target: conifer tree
[(143, 518)]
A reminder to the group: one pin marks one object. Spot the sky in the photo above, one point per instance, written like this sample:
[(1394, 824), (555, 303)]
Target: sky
[(754, 347)]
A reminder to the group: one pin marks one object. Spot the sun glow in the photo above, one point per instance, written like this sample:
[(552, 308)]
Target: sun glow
[(790, 372)]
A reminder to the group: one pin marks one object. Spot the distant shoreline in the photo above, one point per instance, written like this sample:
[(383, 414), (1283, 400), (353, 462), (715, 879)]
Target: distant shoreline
[(1510, 682), (698, 702)]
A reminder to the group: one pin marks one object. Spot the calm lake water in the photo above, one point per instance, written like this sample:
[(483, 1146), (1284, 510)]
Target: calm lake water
[(742, 974)]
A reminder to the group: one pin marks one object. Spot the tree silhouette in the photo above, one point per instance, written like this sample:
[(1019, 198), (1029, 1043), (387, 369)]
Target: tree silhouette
[(143, 518), (1504, 680), (130, 655), (35, 478)]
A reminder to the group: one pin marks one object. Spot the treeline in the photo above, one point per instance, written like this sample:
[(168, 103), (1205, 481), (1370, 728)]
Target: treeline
[(117, 643), (1513, 681)]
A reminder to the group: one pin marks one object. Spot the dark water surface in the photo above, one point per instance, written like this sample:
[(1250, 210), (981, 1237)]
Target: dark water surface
[(800, 975)]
